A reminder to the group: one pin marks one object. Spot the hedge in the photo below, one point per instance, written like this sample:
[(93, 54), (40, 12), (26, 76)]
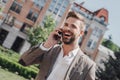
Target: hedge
[(16, 67), (9, 60)]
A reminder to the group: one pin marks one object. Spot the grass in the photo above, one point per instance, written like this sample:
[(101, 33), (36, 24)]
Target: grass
[(6, 75), (12, 57)]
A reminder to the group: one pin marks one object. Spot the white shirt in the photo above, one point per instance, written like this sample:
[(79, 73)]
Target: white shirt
[(61, 65)]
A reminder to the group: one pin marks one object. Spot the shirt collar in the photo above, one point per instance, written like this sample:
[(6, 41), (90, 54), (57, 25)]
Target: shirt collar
[(72, 53)]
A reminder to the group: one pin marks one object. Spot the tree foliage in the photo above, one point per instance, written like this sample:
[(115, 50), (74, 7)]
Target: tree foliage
[(39, 34), (112, 68), (109, 44)]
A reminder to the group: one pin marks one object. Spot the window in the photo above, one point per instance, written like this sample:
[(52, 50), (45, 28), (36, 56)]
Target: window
[(32, 15), (39, 3), (86, 28), (54, 1), (16, 7), (51, 6), (94, 45), (97, 32), (90, 16), (56, 11), (4, 1), (89, 43), (60, 1), (62, 11), (66, 2), (102, 18), (58, 6), (3, 35), (10, 20), (25, 27), (34, 18)]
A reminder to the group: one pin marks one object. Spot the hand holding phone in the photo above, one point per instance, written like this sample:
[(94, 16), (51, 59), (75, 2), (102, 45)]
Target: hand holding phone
[(58, 36), (53, 38)]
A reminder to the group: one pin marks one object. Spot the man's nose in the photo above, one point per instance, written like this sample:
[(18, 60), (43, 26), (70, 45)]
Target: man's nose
[(66, 29)]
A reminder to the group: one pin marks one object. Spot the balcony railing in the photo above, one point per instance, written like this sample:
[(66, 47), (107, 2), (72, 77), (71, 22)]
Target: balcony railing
[(100, 21)]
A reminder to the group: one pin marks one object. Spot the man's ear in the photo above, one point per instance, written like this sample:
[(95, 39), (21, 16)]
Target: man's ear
[(82, 33)]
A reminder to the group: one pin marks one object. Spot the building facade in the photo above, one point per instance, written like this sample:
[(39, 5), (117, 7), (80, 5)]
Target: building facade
[(2, 5), (96, 25), (20, 15)]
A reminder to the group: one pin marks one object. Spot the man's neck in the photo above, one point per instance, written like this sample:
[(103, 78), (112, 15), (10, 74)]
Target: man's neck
[(69, 47)]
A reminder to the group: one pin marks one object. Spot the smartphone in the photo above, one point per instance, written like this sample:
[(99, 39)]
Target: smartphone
[(58, 37)]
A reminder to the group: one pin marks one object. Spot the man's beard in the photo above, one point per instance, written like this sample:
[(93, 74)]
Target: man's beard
[(68, 41)]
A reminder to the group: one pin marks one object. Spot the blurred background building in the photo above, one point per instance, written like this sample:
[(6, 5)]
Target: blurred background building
[(20, 15), (96, 25)]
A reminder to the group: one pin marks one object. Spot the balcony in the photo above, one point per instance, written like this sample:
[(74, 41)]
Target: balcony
[(88, 16), (100, 21)]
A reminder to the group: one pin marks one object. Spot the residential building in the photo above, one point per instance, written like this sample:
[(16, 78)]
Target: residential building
[(20, 15), (96, 26), (2, 5), (58, 9)]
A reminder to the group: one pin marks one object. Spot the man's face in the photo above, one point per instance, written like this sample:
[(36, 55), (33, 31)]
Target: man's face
[(71, 30)]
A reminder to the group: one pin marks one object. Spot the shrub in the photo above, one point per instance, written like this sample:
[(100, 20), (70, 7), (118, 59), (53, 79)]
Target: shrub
[(16, 67), (9, 60)]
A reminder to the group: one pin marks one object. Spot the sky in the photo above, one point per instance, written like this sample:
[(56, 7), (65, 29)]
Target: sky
[(114, 15)]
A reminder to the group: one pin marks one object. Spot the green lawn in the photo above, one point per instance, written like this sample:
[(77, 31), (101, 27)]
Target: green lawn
[(6, 75), (9, 59)]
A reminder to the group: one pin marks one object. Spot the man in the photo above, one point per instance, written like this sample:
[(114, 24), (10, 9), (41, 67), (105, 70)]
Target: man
[(65, 61)]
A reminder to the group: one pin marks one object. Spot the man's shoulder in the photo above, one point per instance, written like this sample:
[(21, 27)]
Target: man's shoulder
[(56, 47), (86, 59)]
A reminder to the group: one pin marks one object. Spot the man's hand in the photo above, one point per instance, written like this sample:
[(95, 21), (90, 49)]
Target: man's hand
[(53, 38)]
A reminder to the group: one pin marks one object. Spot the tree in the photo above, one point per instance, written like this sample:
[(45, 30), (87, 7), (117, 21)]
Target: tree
[(39, 34), (112, 68), (109, 44)]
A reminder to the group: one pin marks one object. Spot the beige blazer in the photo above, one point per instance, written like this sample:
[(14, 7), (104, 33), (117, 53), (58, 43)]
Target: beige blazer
[(82, 68)]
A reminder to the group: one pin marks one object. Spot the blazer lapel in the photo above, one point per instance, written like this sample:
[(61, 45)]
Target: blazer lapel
[(75, 60), (54, 56)]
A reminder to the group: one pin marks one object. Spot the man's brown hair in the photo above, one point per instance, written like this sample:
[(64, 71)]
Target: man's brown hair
[(77, 16)]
